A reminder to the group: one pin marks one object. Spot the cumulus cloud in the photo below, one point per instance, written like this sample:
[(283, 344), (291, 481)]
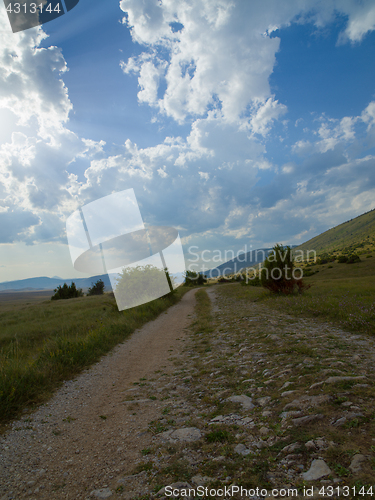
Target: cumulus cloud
[(37, 189), (223, 55), (206, 63)]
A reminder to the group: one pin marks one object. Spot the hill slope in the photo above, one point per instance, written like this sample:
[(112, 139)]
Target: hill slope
[(45, 283), (354, 235)]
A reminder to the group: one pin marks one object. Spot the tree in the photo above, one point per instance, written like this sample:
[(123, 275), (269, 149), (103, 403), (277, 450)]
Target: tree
[(142, 284), (97, 288), (193, 279), (67, 292), (278, 273)]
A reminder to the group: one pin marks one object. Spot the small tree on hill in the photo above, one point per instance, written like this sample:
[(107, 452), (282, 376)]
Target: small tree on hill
[(142, 284), (97, 288), (67, 292), (193, 279), (278, 274)]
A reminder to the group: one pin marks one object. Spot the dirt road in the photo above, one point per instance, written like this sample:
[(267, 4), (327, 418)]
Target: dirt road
[(248, 396), (89, 435)]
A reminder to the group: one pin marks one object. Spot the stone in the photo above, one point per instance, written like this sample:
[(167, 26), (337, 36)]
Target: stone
[(320, 443), (263, 401), (341, 421), (219, 418), (102, 493), (268, 382), (334, 380), (199, 480), (290, 447), (241, 449), (317, 470), (287, 384), (286, 393), (247, 421), (306, 420), (310, 445), (176, 486), (356, 463), (286, 414), (140, 475), (307, 402), (186, 434), (266, 413), (263, 431), (347, 418), (244, 400)]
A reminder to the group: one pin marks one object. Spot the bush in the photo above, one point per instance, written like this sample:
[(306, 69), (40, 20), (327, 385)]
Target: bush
[(309, 272), (255, 281), (193, 279), (353, 258), (342, 259), (97, 288), (277, 274), (142, 284), (67, 292)]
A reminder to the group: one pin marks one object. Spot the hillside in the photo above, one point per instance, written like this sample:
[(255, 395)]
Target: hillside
[(356, 235), (238, 263), (45, 283)]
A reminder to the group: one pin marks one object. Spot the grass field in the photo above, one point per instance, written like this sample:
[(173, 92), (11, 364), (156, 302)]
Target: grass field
[(44, 342), (341, 293), (356, 234)]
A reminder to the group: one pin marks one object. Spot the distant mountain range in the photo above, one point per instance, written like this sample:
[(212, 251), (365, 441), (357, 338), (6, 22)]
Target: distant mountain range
[(356, 233), (45, 283), (235, 265)]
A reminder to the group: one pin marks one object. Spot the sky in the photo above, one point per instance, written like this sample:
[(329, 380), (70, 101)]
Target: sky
[(240, 123)]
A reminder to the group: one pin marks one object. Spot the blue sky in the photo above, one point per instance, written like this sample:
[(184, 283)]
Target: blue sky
[(240, 123)]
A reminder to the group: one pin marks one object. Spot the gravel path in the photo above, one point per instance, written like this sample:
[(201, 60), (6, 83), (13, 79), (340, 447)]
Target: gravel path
[(264, 399), (87, 435)]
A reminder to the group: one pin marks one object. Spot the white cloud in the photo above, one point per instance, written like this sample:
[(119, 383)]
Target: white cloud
[(218, 60), (213, 73), (37, 190), (264, 116), (223, 56), (361, 19), (368, 115)]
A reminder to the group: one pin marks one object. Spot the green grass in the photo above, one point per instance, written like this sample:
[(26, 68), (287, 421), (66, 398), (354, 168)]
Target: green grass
[(204, 318), (350, 234), (343, 294), (44, 343)]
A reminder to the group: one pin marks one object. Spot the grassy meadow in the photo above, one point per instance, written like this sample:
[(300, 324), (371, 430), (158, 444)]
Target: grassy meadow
[(341, 293), (44, 342)]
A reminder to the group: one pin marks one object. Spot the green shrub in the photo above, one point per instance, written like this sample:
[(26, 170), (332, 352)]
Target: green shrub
[(141, 284), (308, 272), (218, 436), (353, 258), (342, 259), (193, 279), (67, 292), (255, 281), (97, 288), (277, 274)]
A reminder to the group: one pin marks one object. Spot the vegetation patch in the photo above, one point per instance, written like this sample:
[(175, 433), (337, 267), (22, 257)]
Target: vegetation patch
[(46, 343)]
